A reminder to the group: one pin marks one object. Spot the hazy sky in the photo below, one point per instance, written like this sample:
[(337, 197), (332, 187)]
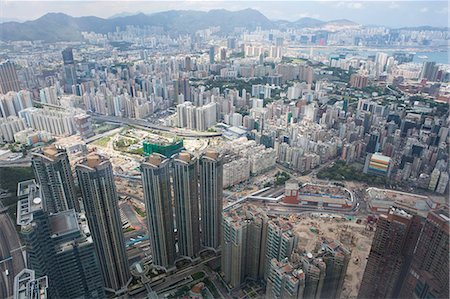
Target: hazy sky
[(389, 13)]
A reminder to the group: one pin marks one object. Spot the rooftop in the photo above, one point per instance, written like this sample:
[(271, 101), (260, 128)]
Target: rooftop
[(63, 223), (31, 201), (23, 188)]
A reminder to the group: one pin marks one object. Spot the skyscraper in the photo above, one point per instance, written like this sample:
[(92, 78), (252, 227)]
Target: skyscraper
[(428, 276), (380, 62), (211, 55), (185, 181), (70, 75), (231, 43), (67, 55), (54, 176), (59, 246), (211, 195), (316, 274), (336, 258), (281, 242), (390, 254), (285, 281), (96, 181), (27, 286), (223, 54), (429, 71), (243, 244), (8, 77), (184, 88), (187, 64), (158, 203)]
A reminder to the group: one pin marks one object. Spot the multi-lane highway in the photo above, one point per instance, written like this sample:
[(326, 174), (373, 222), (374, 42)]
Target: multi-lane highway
[(11, 256), (24, 162), (148, 125)]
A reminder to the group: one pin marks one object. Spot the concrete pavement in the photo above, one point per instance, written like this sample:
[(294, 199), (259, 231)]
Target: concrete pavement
[(11, 256)]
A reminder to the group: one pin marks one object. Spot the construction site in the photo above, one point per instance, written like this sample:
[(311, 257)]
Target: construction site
[(355, 234)]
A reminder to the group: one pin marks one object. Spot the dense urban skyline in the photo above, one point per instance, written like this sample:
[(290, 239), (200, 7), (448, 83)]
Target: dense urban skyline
[(224, 153)]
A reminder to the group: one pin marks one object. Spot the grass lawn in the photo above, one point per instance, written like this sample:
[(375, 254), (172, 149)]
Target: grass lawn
[(139, 211), (102, 142), (341, 171), (128, 229)]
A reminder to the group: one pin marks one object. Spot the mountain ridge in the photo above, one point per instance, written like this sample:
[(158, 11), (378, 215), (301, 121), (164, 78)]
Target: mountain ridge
[(54, 27), (62, 27)]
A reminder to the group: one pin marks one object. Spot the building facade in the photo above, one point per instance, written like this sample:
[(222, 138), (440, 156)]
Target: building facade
[(185, 182), (211, 195), (60, 248), (243, 245), (428, 275), (8, 77), (53, 173), (100, 199), (158, 203), (390, 254)]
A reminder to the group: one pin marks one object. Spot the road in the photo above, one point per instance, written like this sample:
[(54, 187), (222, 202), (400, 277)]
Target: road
[(131, 215), (11, 257), (26, 162), (104, 134), (146, 124), (181, 274), (278, 209)]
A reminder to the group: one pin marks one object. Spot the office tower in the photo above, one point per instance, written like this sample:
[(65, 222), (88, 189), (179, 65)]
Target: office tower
[(187, 64), (243, 244), (96, 181), (211, 196), (428, 276), (8, 77), (429, 71), (373, 144), (27, 286), (281, 241), (211, 54), (185, 185), (231, 43), (434, 178), (443, 183), (53, 173), (184, 88), (158, 203), (59, 246), (67, 55), (223, 54), (70, 75), (390, 254)]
